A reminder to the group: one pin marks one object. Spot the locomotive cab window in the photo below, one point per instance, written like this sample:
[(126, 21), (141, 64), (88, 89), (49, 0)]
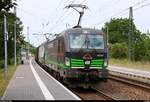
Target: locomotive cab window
[(77, 41), (86, 41), (95, 41)]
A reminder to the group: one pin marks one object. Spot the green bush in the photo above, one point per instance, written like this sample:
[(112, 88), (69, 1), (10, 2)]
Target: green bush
[(118, 50), (10, 61), (2, 62)]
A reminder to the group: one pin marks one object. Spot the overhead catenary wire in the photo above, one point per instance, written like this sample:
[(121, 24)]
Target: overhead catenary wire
[(140, 2), (82, 1), (111, 17), (65, 11), (71, 11), (135, 9), (62, 17), (57, 20), (144, 5), (31, 14), (123, 11), (104, 8), (54, 13)]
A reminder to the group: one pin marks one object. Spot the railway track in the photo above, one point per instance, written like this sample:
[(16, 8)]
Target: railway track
[(137, 76), (104, 95), (98, 94), (134, 83), (91, 94)]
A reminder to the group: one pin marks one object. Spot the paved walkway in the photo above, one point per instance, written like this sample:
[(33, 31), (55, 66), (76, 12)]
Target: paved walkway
[(30, 82)]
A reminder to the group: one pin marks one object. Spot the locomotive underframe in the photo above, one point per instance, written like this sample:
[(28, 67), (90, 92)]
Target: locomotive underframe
[(84, 78)]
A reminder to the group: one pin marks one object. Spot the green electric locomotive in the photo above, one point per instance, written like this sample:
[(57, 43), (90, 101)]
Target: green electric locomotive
[(78, 56)]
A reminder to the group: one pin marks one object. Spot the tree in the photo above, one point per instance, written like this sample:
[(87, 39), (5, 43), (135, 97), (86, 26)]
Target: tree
[(119, 34), (118, 50), (10, 28), (7, 4), (118, 30), (142, 47)]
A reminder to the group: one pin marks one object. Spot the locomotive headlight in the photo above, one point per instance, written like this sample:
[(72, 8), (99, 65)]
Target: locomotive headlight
[(67, 61), (87, 62)]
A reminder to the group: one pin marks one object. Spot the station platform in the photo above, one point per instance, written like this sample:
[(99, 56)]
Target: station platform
[(31, 82), (135, 72)]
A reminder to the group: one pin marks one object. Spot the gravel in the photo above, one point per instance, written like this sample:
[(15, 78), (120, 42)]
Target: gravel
[(122, 91), (88, 94)]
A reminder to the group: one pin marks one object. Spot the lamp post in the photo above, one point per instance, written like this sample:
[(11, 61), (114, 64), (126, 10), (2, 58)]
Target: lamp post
[(15, 37), (5, 43), (28, 40)]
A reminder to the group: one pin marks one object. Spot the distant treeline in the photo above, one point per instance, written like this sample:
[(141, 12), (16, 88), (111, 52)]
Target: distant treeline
[(118, 31), (5, 7)]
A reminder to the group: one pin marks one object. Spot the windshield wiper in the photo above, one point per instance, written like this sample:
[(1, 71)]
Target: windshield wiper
[(84, 43), (89, 44)]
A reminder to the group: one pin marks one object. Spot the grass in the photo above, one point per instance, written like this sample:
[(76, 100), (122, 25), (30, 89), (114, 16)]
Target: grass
[(134, 65), (4, 81)]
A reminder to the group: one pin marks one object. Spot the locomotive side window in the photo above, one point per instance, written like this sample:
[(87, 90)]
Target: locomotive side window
[(62, 45), (59, 46)]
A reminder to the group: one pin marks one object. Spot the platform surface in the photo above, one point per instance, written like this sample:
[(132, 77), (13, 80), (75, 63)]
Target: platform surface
[(126, 70), (31, 82)]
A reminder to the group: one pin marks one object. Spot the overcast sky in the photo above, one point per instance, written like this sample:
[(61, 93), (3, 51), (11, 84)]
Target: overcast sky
[(49, 16)]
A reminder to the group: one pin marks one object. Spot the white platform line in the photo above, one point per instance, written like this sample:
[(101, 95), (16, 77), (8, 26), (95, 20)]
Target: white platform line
[(46, 93), (76, 97)]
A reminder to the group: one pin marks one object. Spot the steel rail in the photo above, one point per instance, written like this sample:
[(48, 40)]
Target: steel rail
[(104, 95), (131, 82)]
